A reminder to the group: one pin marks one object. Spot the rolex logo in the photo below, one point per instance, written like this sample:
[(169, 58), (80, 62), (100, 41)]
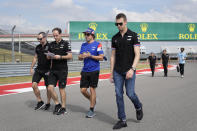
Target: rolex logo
[(93, 26), (191, 27), (144, 27)]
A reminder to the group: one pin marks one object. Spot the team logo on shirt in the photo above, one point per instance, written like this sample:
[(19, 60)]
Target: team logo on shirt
[(93, 48), (61, 46), (129, 38)]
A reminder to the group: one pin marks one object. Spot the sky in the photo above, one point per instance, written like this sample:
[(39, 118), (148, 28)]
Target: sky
[(33, 16)]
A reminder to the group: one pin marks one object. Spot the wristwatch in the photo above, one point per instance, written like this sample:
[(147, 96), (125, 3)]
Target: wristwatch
[(133, 68)]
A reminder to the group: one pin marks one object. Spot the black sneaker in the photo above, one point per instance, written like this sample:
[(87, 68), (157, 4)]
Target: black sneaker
[(57, 108), (61, 111), (39, 105), (139, 114), (47, 106), (120, 124)]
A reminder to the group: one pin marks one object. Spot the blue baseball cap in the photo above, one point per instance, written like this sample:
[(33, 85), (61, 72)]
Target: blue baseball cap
[(89, 30)]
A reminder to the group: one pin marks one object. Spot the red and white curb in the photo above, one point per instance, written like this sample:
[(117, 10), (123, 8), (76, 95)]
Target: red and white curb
[(17, 88)]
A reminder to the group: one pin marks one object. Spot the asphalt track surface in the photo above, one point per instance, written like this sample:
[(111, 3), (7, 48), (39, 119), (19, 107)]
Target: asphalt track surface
[(169, 104)]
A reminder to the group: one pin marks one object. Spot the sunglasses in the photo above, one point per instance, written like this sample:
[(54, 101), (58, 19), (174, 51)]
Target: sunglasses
[(116, 24), (87, 34), (39, 39)]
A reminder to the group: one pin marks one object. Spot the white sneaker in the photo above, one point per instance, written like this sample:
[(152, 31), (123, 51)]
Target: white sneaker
[(182, 76)]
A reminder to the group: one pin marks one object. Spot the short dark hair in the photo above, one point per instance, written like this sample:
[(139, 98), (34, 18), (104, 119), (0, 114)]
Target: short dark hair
[(182, 48), (93, 36), (43, 34), (57, 29), (121, 15)]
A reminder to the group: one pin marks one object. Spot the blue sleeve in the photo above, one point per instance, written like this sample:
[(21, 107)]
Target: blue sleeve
[(82, 49)]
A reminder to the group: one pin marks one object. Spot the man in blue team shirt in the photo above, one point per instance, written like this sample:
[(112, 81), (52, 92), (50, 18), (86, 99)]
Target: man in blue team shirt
[(91, 53), (181, 60)]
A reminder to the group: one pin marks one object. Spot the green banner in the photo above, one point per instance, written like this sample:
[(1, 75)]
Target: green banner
[(147, 31)]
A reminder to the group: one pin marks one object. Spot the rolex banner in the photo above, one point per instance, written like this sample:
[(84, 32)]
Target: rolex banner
[(147, 31)]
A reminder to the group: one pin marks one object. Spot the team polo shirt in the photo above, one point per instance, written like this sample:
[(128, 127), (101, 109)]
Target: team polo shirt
[(182, 56), (152, 59), (124, 47), (95, 49), (43, 62), (165, 58), (61, 48)]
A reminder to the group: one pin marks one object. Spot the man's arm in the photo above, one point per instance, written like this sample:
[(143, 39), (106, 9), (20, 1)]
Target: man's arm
[(33, 64), (80, 57), (112, 62), (177, 59), (99, 57), (68, 56), (137, 56), (135, 62), (60, 57)]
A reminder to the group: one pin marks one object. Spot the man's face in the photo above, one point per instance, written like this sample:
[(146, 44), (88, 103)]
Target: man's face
[(57, 36), (41, 39), (121, 24), (88, 37)]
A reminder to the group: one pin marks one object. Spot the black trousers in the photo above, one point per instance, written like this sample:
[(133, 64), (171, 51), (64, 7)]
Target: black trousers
[(165, 67), (181, 69), (152, 67)]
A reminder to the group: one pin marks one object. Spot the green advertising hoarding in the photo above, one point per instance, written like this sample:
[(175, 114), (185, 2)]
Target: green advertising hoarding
[(147, 31)]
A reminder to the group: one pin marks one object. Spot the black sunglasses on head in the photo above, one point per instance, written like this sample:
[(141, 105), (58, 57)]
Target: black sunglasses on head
[(116, 24)]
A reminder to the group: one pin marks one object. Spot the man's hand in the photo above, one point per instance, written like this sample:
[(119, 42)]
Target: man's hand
[(129, 74), (57, 57), (111, 79), (31, 71), (86, 55)]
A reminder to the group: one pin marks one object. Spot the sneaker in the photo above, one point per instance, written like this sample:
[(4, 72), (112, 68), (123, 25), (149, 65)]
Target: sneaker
[(47, 106), (120, 124), (39, 105), (139, 114), (90, 114), (57, 108), (182, 76), (61, 111)]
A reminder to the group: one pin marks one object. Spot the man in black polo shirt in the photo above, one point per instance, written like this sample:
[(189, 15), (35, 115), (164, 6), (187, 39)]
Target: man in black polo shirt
[(41, 70), (152, 61), (124, 58), (164, 61), (59, 70)]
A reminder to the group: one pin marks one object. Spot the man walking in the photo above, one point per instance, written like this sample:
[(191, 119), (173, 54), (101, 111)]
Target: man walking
[(164, 61), (124, 58), (91, 53), (60, 51), (181, 60), (152, 61), (41, 71)]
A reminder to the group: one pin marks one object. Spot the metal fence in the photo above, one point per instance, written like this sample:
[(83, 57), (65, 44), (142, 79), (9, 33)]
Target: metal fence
[(23, 69), (6, 58)]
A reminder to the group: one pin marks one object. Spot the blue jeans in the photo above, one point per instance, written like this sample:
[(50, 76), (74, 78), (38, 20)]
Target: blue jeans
[(119, 80)]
